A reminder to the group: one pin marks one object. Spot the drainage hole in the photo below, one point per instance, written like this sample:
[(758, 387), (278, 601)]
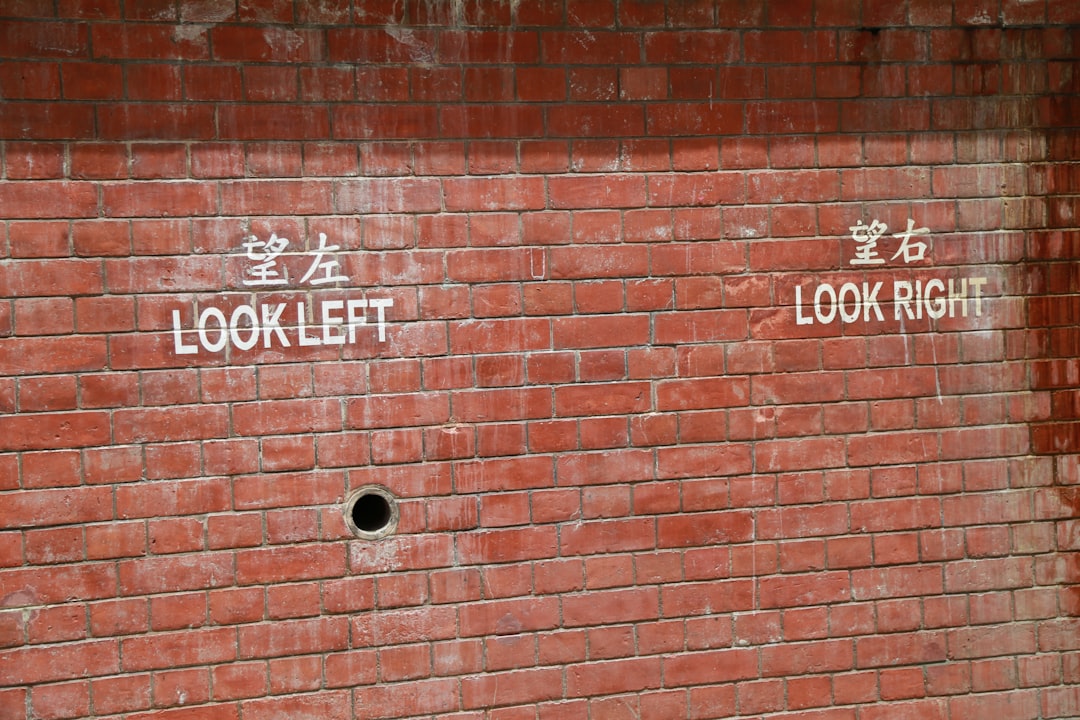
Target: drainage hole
[(371, 512)]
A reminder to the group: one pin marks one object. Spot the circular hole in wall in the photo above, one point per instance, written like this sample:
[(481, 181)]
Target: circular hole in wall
[(371, 512)]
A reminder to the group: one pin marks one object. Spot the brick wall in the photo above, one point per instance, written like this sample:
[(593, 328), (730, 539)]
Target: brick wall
[(722, 357)]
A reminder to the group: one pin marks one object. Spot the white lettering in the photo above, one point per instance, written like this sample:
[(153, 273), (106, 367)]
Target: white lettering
[(978, 283), (223, 331), (270, 316), (252, 326), (824, 289), (958, 295), (799, 319), (352, 318), (380, 305), (902, 296), (912, 299), (301, 328), (178, 343), (330, 322), (870, 301), (845, 290), (247, 323), (935, 307)]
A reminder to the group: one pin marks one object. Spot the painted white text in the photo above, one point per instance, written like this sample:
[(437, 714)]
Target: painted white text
[(911, 300), (334, 322)]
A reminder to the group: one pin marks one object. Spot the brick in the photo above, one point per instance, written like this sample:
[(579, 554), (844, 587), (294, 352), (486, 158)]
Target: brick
[(611, 400), (691, 47), (285, 416), (264, 565), (328, 704), (120, 694), (48, 121), (26, 356), (115, 540), (293, 637), (238, 680), (895, 582), (511, 687), (581, 47), (238, 43), (175, 687), (33, 665), (616, 676), (157, 41), (45, 39), (56, 624), (609, 536), (175, 460), (760, 696), (64, 700), (66, 506), (406, 553), (170, 424), (186, 497), (259, 197), (584, 192), (803, 521), (50, 469), (703, 461), (229, 712), (396, 410), (118, 617), (173, 122), (51, 277), (39, 239), (497, 405), (696, 530), (99, 161), (507, 545), (175, 535), (1016, 703), (705, 598), (187, 647), (173, 574), (159, 161), (422, 697), (405, 663), (35, 160), (800, 590), (814, 657), (600, 331), (53, 546), (694, 668)]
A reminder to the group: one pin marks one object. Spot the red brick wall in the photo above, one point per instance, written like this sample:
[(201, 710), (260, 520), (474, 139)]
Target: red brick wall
[(638, 473)]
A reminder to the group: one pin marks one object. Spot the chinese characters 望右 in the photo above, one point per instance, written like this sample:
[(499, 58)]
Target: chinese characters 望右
[(911, 299)]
